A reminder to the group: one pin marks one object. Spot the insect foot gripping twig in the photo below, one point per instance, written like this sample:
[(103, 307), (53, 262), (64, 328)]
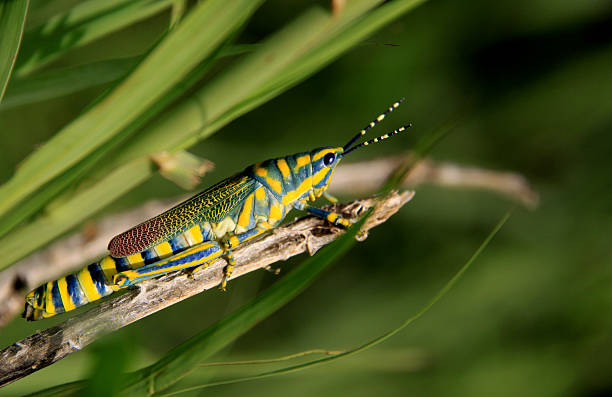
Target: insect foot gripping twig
[(48, 346)]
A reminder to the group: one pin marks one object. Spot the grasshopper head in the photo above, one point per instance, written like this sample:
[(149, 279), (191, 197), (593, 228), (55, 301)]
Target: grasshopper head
[(324, 160)]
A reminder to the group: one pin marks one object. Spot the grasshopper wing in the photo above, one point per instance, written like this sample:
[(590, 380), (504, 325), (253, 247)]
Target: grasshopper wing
[(213, 204)]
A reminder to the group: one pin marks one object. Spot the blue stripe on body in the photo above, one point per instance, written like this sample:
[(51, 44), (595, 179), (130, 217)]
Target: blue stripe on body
[(75, 291), (40, 294), (176, 244), (121, 264), (149, 256), (57, 298), (97, 275), (303, 172)]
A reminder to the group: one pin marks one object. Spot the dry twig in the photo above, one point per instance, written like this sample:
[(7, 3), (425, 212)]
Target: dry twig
[(306, 234)]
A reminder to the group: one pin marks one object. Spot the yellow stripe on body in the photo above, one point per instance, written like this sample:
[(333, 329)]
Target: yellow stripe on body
[(163, 250), (283, 167), (63, 290), (276, 213), (247, 210), (301, 161), (261, 171), (107, 264), (87, 285), (319, 176), (260, 193), (274, 185), (293, 195), (136, 260), (194, 235), (49, 306)]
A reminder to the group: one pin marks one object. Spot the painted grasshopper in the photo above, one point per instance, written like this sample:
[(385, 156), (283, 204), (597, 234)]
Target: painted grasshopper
[(204, 227)]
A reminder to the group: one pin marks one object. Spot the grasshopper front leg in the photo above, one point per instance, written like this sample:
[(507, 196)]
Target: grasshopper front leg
[(330, 216), (233, 241)]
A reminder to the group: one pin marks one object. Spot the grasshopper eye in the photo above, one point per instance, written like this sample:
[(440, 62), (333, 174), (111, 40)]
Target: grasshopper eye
[(329, 159)]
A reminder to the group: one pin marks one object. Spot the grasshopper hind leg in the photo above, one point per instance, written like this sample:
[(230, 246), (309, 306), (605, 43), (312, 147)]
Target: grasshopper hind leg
[(196, 257), (232, 241)]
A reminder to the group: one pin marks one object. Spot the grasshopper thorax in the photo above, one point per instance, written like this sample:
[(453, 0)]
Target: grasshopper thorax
[(300, 176)]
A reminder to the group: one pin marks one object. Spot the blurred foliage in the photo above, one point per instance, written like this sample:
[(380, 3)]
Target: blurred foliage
[(530, 82)]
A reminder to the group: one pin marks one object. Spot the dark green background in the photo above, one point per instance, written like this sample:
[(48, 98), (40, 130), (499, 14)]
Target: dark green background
[(529, 84)]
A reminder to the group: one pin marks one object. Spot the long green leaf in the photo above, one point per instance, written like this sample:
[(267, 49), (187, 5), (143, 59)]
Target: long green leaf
[(201, 32), (82, 24), (447, 287), (64, 81), (12, 20), (186, 357)]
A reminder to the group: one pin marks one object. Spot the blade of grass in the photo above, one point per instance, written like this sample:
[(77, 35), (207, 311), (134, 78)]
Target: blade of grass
[(447, 287), (82, 24), (71, 11), (178, 10), (186, 357), (273, 360), (12, 20), (201, 32), (63, 81), (59, 82)]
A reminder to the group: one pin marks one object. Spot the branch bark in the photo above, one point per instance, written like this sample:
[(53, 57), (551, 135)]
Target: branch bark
[(303, 235), (368, 176)]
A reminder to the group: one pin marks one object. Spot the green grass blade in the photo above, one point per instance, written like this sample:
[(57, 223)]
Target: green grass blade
[(70, 12), (63, 81), (12, 20), (81, 25), (447, 287), (60, 82), (201, 32)]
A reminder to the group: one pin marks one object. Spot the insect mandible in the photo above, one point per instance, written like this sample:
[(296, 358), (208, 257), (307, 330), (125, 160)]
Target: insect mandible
[(205, 227)]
